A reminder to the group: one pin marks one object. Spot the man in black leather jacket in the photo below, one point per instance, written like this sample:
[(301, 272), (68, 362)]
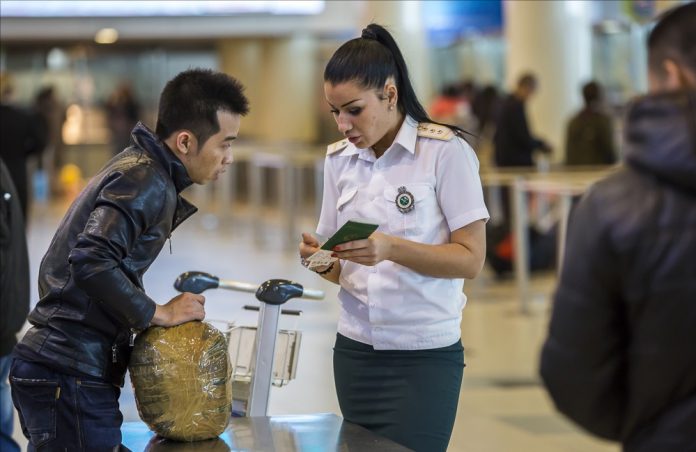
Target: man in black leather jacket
[(620, 358), (69, 367)]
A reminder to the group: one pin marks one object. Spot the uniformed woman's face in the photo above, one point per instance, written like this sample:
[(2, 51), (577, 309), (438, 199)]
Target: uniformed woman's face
[(363, 115)]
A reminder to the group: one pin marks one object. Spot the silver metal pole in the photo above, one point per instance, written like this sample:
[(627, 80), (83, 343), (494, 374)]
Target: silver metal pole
[(566, 204), (238, 286), (521, 237), (266, 334), (314, 294)]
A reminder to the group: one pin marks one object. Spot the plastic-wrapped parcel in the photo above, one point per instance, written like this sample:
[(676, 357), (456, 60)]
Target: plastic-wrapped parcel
[(182, 379)]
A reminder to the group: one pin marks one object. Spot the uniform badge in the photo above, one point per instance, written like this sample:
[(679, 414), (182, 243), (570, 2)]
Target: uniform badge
[(404, 200)]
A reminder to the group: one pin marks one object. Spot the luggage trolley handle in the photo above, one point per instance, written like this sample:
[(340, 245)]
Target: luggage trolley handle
[(276, 291), (272, 294)]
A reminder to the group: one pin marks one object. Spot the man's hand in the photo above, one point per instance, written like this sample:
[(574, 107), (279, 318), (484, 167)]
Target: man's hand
[(370, 251), (180, 309)]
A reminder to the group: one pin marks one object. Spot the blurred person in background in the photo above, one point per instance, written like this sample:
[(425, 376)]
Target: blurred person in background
[(122, 112), (453, 106), (620, 358), (21, 136), (398, 356), (513, 141), (68, 368), (14, 295), (485, 107), (446, 107), (51, 113), (589, 134)]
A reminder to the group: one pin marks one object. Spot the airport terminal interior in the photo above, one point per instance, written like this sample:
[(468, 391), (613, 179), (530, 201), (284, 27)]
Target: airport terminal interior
[(100, 67)]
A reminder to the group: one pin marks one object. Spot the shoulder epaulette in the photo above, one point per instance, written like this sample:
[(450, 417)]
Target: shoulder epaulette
[(337, 146), (436, 131)]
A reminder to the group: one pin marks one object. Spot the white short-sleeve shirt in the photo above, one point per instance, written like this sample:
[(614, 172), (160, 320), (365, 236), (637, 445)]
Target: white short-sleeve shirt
[(389, 306)]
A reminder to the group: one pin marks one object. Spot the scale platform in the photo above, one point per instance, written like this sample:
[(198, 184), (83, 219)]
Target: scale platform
[(287, 433)]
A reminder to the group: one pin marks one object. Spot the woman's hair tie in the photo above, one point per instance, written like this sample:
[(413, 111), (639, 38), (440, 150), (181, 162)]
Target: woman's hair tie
[(368, 33)]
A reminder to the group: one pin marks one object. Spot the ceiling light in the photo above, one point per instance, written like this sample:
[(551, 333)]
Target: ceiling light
[(106, 36)]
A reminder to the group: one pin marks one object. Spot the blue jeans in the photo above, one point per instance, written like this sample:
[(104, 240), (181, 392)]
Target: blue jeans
[(7, 444), (64, 412)]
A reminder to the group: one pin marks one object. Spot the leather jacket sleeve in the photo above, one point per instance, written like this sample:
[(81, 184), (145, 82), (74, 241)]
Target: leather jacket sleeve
[(583, 362), (125, 208)]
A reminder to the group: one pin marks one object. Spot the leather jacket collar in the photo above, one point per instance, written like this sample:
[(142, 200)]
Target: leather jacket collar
[(146, 140)]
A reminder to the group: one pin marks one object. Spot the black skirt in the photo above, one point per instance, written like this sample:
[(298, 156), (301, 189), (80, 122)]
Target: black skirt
[(408, 396)]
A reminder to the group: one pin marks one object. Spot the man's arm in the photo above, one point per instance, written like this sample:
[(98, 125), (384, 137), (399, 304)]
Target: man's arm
[(583, 360), (123, 212)]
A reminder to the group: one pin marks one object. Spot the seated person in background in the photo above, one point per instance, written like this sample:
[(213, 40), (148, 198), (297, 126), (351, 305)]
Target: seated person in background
[(589, 136)]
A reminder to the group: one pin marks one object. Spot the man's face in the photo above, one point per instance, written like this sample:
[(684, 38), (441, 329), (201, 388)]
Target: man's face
[(205, 163)]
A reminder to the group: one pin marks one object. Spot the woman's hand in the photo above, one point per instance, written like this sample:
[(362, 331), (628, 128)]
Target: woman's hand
[(370, 251), (308, 246)]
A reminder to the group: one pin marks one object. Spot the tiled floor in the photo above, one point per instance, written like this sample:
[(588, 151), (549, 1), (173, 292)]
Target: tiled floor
[(502, 406)]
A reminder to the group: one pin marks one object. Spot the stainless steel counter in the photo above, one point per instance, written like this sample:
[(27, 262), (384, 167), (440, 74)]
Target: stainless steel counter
[(308, 433)]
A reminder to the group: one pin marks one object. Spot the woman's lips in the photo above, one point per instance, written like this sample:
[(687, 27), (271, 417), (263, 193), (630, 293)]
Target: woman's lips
[(353, 139)]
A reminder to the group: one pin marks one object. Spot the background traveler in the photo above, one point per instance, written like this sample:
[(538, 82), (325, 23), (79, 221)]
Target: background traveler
[(21, 136), (590, 134), (14, 295), (619, 358), (513, 141)]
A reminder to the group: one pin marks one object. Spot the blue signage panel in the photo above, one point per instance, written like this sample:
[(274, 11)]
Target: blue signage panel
[(449, 21)]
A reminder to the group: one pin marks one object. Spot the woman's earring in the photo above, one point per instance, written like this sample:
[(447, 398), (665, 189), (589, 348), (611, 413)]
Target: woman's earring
[(391, 107)]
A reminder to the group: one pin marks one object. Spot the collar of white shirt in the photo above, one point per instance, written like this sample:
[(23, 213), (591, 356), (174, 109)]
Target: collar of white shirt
[(405, 138)]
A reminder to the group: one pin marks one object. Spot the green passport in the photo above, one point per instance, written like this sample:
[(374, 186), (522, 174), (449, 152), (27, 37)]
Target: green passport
[(355, 229)]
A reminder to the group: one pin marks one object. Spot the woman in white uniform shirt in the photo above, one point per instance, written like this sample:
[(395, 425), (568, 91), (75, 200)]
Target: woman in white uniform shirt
[(398, 358)]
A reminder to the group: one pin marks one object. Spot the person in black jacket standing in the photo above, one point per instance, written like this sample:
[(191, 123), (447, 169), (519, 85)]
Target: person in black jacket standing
[(514, 143), (14, 294), (22, 135), (69, 367), (620, 358)]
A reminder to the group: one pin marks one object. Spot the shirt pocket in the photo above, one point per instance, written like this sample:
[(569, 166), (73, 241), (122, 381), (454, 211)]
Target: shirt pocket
[(345, 206), (416, 221)]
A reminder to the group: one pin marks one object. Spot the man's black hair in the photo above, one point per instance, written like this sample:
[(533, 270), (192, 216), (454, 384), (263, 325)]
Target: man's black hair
[(591, 92), (369, 61), (192, 99), (527, 80), (674, 37)]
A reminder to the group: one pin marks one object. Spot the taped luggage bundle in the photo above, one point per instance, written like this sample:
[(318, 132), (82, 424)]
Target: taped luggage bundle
[(182, 379)]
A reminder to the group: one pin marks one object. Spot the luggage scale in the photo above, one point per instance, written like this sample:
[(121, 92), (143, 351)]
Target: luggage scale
[(255, 350)]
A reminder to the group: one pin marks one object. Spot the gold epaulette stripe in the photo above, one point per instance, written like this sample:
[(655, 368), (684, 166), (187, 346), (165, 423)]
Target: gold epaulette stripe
[(337, 146), (436, 131)]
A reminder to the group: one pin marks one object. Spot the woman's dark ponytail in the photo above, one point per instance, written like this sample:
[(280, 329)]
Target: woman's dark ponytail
[(370, 60)]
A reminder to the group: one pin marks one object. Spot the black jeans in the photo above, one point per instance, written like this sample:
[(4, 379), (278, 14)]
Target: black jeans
[(61, 412)]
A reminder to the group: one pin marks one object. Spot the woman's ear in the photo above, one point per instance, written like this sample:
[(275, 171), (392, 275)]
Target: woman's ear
[(391, 93)]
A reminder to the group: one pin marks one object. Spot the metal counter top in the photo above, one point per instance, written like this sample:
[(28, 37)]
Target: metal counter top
[(289, 433)]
